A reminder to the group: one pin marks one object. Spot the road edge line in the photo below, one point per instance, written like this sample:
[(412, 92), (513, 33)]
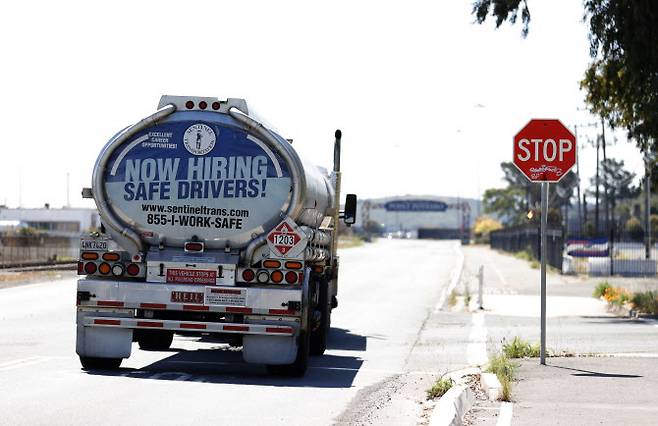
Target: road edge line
[(455, 277)]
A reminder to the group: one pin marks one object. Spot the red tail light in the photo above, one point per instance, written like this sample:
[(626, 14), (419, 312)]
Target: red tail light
[(248, 275), (132, 269), (193, 246), (215, 106), (90, 268), (81, 268), (291, 277), (203, 105), (189, 104)]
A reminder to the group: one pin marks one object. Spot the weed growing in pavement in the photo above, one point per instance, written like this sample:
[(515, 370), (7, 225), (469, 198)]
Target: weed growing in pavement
[(504, 369), (467, 296), (534, 264), (601, 289), (452, 299), (646, 302), (518, 348), (524, 255), (440, 388)]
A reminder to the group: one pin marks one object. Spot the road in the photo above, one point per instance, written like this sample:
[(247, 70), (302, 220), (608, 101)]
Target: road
[(388, 292)]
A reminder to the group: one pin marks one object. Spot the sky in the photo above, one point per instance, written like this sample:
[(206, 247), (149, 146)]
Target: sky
[(428, 102)]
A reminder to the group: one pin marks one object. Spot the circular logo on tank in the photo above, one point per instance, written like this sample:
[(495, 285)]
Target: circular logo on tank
[(199, 139)]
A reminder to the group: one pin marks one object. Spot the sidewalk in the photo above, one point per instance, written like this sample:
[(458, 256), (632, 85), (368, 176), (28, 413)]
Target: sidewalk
[(587, 391), (611, 378)]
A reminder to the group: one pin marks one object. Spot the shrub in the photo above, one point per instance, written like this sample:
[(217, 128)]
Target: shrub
[(646, 302), (518, 348), (484, 225), (439, 388), (601, 289), (634, 228)]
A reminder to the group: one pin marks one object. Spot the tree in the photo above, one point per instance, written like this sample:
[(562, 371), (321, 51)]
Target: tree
[(512, 203), (621, 83), (484, 225)]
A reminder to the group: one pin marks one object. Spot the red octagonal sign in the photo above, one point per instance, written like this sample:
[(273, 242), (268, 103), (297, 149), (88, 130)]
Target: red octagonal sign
[(544, 150)]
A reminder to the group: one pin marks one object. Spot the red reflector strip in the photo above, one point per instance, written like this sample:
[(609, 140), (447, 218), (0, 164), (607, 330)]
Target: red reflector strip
[(195, 308), (149, 324), (237, 310), (193, 326), (236, 328), (281, 312), (153, 305), (282, 330), (111, 303), (107, 322)]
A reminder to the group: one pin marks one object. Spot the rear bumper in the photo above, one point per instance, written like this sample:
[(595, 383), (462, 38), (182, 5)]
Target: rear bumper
[(154, 296), (172, 325)]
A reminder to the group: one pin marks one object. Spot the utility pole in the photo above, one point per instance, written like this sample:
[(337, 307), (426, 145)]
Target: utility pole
[(580, 212), (647, 206), (68, 200), (596, 194), (605, 179)]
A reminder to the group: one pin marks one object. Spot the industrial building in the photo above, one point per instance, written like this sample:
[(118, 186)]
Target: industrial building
[(422, 216)]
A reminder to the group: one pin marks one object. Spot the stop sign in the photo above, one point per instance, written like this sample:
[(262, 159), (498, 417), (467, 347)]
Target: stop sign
[(544, 150)]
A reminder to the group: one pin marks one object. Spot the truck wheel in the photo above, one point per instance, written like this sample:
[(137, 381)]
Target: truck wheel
[(92, 363), (154, 340), (320, 333)]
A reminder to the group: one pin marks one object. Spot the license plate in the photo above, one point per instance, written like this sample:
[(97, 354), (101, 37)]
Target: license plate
[(186, 297), (191, 276), (93, 245)]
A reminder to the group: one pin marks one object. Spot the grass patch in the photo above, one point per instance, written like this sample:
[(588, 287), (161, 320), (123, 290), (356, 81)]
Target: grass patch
[(600, 289), (440, 388), (518, 348), (452, 299), (534, 264), (504, 369), (524, 255)]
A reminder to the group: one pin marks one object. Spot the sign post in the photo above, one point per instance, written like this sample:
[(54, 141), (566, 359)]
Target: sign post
[(544, 151)]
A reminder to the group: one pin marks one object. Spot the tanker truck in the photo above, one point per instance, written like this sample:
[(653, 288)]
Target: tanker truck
[(212, 225)]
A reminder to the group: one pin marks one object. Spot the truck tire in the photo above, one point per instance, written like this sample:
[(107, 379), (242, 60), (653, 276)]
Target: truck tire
[(92, 363), (320, 333), (154, 340), (299, 367)]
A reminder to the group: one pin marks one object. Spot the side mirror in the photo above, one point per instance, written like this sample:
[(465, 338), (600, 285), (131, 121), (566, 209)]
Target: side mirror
[(349, 215)]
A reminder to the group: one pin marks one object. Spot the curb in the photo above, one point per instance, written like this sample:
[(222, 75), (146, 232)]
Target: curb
[(456, 402), (491, 385)]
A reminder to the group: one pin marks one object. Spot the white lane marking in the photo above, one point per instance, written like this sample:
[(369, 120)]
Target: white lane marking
[(476, 349), (497, 271), (505, 415), (23, 362), (455, 276)]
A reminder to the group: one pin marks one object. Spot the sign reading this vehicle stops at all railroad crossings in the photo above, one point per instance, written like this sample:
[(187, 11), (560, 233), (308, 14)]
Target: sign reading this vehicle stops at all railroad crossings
[(544, 150), (285, 239)]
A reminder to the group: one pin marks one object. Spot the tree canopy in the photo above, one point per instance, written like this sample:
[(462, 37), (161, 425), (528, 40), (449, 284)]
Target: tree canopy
[(621, 83)]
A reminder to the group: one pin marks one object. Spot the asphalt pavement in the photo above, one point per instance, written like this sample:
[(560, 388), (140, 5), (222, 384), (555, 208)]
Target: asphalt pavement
[(385, 348)]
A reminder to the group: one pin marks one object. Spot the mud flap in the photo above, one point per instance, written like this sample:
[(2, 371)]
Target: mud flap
[(101, 342), (272, 350)]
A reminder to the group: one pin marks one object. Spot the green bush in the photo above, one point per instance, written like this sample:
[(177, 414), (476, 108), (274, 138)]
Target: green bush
[(646, 302), (518, 348), (601, 289)]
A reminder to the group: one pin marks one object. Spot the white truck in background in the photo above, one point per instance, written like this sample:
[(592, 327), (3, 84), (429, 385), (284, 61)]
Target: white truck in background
[(212, 225)]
